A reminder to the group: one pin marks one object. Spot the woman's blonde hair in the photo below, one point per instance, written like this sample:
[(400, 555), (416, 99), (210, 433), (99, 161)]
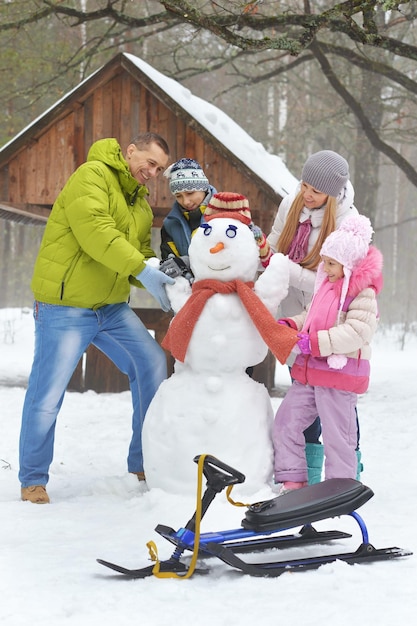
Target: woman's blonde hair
[(312, 259)]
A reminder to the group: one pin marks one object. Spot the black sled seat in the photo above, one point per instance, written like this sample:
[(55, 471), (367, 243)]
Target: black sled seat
[(331, 498)]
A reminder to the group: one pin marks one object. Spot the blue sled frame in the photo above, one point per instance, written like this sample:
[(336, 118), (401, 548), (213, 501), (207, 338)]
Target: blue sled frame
[(263, 525)]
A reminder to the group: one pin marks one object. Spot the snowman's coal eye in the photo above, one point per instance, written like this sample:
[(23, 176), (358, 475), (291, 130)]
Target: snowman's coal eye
[(231, 231), (207, 228)]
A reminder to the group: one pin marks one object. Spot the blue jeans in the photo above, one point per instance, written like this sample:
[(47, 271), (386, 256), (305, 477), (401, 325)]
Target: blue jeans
[(62, 334)]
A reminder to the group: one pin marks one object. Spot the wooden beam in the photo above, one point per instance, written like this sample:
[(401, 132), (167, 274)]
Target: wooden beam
[(26, 214)]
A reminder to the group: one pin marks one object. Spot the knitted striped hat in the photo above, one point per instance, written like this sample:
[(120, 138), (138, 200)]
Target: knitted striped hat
[(186, 175), (326, 171), (230, 205)]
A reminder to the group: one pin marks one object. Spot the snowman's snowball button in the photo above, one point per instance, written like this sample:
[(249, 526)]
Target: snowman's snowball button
[(213, 384)]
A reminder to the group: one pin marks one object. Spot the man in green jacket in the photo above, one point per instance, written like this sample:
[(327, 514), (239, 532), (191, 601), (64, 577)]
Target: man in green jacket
[(95, 246)]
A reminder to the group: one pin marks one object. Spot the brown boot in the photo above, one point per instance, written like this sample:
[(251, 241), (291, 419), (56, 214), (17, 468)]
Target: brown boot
[(140, 475), (36, 494)]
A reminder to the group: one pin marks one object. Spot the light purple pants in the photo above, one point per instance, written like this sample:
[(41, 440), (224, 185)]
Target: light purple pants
[(297, 411)]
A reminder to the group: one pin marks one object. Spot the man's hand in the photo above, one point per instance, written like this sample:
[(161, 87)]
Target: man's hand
[(154, 281)]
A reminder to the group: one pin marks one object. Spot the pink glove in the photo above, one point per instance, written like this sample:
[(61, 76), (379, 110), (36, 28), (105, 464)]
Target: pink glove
[(304, 343), (283, 322)]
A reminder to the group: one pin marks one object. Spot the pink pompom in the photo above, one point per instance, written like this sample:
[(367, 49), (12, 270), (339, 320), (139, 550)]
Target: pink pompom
[(349, 244), (336, 361), (358, 225)]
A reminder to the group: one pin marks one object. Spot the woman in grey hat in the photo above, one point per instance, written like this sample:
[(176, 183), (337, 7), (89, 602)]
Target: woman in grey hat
[(322, 200), (320, 203)]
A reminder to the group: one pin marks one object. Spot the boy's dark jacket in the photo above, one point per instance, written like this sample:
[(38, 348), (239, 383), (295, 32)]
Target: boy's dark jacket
[(178, 227)]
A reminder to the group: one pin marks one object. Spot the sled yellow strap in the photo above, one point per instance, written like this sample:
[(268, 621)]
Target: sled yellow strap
[(229, 499), (153, 551)]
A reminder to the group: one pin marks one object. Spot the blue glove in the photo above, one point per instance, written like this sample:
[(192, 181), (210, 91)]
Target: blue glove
[(265, 251), (153, 280), (257, 232), (304, 343)]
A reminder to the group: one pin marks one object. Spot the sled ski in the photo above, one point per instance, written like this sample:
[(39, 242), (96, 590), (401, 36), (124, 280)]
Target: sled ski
[(262, 528), (170, 565), (365, 553)]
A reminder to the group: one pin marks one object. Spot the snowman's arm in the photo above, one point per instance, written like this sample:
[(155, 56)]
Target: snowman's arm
[(178, 293), (272, 285)]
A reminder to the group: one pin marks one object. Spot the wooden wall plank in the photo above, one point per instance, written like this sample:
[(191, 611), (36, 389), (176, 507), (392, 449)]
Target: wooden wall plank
[(28, 177), (177, 144), (115, 88), (136, 108), (47, 152), (78, 138), (98, 121), (106, 112), (143, 110), (88, 127), (127, 123), (9, 191)]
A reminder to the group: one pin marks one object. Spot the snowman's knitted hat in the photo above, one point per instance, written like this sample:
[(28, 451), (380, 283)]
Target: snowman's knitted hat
[(229, 205), (326, 171), (186, 175)]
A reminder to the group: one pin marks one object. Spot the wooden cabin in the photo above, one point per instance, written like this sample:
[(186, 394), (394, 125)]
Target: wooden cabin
[(123, 98)]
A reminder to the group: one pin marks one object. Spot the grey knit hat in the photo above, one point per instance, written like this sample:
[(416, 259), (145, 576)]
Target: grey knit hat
[(186, 175), (326, 171)]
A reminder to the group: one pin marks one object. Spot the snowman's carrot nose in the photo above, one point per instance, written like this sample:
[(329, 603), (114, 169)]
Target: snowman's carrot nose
[(219, 246)]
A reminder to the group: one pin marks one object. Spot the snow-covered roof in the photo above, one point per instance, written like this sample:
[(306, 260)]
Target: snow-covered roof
[(268, 167)]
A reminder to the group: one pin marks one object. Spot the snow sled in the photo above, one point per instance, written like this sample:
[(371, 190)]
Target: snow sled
[(262, 528)]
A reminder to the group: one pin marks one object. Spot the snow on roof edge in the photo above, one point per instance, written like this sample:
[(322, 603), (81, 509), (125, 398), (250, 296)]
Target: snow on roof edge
[(268, 167)]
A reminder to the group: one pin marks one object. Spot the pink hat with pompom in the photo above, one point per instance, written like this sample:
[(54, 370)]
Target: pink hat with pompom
[(349, 244)]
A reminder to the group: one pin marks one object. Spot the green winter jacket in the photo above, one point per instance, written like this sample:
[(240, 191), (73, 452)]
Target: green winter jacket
[(97, 236)]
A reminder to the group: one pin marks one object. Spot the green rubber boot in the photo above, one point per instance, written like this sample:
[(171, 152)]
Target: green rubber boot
[(314, 457), (359, 467)]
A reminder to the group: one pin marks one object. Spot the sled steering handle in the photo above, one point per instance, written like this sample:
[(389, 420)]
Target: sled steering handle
[(227, 476)]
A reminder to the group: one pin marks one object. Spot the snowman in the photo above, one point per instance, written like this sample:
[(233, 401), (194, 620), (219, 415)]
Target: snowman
[(223, 324)]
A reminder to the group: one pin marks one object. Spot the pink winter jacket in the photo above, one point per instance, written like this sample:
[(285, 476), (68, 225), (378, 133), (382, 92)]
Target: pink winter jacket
[(349, 335)]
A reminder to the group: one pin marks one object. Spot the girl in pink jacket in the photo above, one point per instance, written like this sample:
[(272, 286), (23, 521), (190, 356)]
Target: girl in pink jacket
[(333, 364)]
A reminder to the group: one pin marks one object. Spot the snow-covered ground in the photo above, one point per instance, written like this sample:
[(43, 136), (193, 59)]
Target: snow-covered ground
[(49, 574)]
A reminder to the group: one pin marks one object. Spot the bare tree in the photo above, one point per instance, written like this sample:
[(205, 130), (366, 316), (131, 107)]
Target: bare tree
[(289, 32)]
